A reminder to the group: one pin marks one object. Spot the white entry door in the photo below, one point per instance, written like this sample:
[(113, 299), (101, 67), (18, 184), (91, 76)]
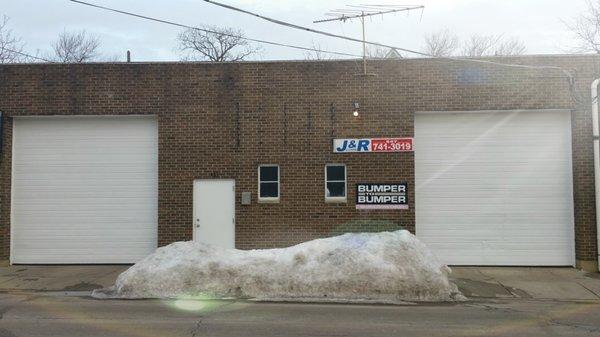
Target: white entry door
[(214, 212), (495, 188)]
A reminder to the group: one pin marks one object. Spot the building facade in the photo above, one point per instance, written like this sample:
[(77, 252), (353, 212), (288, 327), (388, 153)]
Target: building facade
[(101, 163)]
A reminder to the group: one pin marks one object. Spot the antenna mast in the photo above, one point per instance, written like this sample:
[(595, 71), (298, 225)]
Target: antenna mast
[(361, 12)]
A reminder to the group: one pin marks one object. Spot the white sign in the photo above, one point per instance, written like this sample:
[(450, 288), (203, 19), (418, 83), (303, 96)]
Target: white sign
[(382, 196)]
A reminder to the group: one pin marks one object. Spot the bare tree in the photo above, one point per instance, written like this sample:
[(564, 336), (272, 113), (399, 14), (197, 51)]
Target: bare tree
[(11, 46), (509, 47), (441, 44), (317, 54), (76, 47), (480, 45), (586, 29), (492, 45), (223, 45)]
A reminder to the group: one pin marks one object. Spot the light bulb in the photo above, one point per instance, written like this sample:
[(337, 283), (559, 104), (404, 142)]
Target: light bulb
[(355, 113)]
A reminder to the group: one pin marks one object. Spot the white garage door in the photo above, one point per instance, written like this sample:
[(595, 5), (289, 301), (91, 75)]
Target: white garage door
[(495, 188), (84, 189)]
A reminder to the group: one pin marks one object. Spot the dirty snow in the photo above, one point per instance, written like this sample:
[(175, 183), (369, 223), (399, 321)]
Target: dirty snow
[(369, 267)]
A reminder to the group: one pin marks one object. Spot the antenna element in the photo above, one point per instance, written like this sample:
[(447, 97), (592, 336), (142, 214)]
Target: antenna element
[(361, 12)]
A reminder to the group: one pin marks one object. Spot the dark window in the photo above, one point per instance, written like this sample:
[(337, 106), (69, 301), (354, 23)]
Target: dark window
[(269, 173), (337, 173), (269, 190), (268, 184), (335, 181)]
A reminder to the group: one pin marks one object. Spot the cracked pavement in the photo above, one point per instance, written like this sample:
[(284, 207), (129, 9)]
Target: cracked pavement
[(74, 314), (54, 301)]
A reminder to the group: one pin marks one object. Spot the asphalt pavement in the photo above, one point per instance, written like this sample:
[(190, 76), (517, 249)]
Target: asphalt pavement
[(74, 314), (55, 301)]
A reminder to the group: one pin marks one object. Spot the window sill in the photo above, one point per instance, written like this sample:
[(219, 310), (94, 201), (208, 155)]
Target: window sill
[(268, 200), (336, 200)]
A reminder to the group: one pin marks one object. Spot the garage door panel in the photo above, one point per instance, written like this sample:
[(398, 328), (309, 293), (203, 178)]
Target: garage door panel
[(85, 244), (539, 170), (78, 195), (532, 191), (482, 164), (521, 203), (525, 260), (91, 168), (486, 228), (493, 145), (522, 210), (84, 189), (90, 204), (50, 241), (495, 188), (515, 165), (69, 227)]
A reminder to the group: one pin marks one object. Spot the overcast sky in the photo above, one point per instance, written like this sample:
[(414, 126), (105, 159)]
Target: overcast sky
[(536, 22)]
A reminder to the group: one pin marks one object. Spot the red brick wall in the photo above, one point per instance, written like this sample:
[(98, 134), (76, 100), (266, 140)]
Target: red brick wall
[(223, 120)]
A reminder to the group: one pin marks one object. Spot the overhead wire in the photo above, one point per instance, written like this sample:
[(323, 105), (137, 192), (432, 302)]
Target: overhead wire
[(315, 31), (291, 25), (25, 54), (566, 73), (347, 45), (176, 24)]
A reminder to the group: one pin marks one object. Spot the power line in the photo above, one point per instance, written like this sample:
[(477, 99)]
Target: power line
[(25, 54), (571, 79), (568, 75), (172, 23), (291, 25), (315, 31)]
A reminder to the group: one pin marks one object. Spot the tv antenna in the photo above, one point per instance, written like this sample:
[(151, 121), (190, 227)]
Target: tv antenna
[(363, 11)]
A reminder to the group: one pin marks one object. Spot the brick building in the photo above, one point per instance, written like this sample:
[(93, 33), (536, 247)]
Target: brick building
[(101, 163)]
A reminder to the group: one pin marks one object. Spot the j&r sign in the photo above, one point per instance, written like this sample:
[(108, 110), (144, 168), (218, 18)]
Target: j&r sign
[(373, 145)]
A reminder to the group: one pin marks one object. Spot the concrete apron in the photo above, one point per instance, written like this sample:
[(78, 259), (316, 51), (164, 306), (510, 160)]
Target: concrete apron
[(474, 282), (529, 283), (58, 278)]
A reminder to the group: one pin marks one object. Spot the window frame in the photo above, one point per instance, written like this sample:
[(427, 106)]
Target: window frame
[(343, 199), (269, 199)]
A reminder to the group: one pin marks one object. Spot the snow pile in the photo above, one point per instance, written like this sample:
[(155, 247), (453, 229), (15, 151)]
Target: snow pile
[(376, 267)]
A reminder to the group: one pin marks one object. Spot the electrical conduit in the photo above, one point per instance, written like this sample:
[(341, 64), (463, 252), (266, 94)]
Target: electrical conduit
[(596, 128)]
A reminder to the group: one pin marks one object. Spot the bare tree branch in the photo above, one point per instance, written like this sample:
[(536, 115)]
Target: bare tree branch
[(444, 43), (509, 47), (76, 47), (319, 53), (441, 44), (227, 45), (10, 45), (586, 29), (492, 45), (480, 45)]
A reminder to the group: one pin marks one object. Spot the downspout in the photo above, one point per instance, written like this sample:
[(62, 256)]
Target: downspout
[(1, 135), (596, 128)]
